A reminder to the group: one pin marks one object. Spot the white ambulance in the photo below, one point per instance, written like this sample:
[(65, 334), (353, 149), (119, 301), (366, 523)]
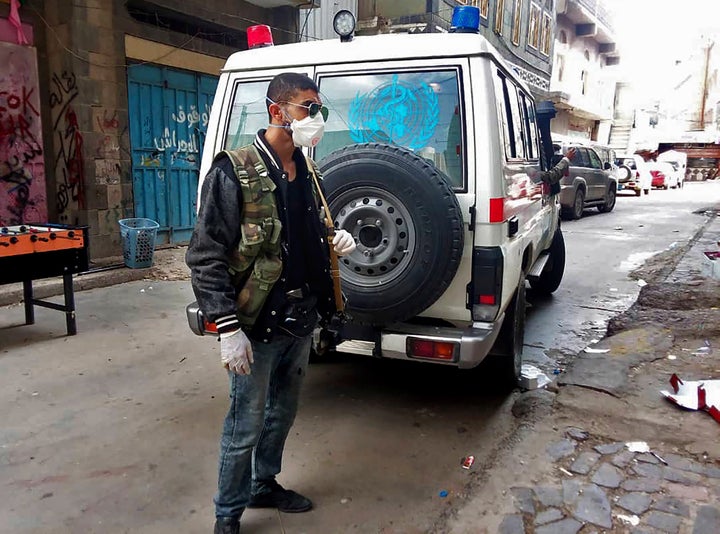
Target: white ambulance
[(430, 160)]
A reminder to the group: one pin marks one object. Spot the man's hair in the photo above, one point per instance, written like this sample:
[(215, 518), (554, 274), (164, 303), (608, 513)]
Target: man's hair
[(285, 86)]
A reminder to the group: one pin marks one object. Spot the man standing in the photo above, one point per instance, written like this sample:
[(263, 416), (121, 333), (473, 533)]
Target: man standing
[(261, 272)]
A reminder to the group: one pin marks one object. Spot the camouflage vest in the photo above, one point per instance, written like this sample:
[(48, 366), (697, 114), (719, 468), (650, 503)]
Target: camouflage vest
[(256, 265)]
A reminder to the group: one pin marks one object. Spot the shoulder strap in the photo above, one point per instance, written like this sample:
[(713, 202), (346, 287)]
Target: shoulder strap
[(249, 166), (315, 173)]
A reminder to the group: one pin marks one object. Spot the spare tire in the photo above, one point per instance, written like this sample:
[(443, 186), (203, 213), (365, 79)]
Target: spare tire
[(624, 172), (407, 224)]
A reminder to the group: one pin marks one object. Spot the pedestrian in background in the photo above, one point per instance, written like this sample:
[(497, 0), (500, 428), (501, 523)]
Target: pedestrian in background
[(260, 271)]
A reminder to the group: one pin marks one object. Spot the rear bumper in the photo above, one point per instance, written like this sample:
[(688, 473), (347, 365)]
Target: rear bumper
[(474, 342), (632, 185)]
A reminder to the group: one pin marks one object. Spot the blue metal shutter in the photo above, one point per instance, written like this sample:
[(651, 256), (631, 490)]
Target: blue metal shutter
[(168, 112)]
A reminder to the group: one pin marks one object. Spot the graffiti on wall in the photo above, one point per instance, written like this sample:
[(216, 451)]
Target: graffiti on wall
[(108, 168), (22, 169), (180, 140), (69, 162)]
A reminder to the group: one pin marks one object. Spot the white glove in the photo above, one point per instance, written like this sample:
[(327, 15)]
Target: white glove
[(344, 242), (236, 352)]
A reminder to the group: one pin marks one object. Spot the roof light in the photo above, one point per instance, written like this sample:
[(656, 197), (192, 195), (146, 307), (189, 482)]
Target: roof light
[(344, 24), (465, 19), (259, 36)]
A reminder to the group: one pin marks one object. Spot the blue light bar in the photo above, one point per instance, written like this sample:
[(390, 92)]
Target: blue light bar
[(465, 19)]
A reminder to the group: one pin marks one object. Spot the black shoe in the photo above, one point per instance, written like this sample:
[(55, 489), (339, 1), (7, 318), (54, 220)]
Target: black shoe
[(278, 497), (227, 525)]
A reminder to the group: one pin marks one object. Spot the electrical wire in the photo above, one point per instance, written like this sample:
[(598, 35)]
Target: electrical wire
[(307, 16), (163, 56), (124, 65)]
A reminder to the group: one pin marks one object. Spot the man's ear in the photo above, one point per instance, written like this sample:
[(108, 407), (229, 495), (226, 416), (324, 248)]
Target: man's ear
[(276, 112)]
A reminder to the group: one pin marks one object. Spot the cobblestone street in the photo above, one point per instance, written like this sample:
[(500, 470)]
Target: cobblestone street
[(604, 480)]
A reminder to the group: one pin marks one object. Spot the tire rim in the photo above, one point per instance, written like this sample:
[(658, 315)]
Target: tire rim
[(611, 200), (579, 204), (383, 231)]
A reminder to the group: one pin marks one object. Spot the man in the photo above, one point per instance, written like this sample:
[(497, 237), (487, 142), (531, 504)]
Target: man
[(260, 271), (560, 169)]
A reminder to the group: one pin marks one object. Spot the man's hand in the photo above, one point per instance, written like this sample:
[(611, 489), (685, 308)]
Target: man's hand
[(570, 154), (236, 352), (343, 242)]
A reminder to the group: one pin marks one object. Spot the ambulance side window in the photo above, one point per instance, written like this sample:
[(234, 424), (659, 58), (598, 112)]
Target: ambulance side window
[(516, 113), (516, 125), (504, 115), (248, 113), (527, 108)]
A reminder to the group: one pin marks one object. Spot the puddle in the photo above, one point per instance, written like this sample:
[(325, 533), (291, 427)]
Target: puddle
[(635, 260)]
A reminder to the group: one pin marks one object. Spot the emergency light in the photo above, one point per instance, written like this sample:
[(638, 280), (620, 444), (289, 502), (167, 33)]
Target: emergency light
[(259, 36), (465, 19)]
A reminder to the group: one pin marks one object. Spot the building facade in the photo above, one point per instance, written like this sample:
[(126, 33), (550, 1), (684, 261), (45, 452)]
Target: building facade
[(689, 119), (584, 78), (683, 117), (104, 105)]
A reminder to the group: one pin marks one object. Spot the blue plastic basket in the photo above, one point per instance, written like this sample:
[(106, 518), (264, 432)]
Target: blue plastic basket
[(138, 237)]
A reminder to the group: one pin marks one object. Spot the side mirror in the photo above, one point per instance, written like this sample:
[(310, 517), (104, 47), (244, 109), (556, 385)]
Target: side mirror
[(607, 166)]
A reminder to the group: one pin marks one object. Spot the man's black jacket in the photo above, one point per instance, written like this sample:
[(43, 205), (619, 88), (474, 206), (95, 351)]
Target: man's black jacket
[(217, 234)]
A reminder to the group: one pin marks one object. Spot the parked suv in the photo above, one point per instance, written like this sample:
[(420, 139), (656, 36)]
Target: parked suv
[(628, 175), (430, 160), (589, 183)]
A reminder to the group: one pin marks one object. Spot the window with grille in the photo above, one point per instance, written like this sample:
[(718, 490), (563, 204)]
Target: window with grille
[(534, 26), (517, 19), (499, 16)]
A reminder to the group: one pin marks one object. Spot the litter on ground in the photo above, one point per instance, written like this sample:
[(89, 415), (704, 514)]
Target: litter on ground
[(695, 395), (637, 446)]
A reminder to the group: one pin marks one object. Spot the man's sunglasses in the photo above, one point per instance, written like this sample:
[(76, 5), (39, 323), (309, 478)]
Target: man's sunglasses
[(313, 109)]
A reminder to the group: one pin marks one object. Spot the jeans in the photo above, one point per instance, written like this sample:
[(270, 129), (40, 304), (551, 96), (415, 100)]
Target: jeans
[(263, 405)]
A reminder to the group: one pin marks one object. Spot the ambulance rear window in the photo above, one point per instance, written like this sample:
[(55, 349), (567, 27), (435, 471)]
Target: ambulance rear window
[(418, 110)]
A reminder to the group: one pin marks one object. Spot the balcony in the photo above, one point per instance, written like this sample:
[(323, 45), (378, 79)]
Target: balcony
[(591, 19)]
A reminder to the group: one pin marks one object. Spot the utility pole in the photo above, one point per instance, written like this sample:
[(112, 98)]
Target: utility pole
[(704, 95)]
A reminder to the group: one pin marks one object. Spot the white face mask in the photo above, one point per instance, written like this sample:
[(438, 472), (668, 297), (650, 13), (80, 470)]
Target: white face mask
[(308, 131)]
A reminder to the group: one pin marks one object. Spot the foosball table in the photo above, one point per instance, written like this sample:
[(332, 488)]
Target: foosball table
[(33, 251)]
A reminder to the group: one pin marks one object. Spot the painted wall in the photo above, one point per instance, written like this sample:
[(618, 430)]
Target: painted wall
[(23, 197)]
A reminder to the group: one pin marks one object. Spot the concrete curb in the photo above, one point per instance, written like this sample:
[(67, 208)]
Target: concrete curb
[(49, 287), (107, 272)]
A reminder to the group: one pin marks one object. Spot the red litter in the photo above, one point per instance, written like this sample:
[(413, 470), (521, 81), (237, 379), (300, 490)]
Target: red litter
[(467, 462)]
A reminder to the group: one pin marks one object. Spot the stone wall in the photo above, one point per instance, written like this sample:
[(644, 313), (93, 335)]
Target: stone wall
[(82, 62)]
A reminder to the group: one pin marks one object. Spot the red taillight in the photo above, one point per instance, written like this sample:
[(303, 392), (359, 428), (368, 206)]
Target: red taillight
[(486, 299), (497, 210), (210, 327), (432, 350)]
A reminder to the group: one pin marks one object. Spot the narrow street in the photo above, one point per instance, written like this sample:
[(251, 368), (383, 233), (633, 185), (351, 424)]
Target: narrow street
[(116, 429), (602, 249)]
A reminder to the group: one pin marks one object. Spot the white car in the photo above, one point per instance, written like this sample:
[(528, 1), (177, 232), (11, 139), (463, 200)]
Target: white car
[(668, 170), (679, 162)]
